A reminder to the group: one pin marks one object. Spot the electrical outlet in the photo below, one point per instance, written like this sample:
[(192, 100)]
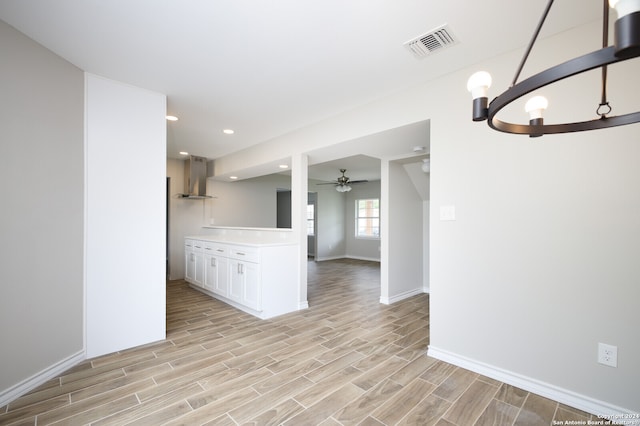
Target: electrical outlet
[(608, 354)]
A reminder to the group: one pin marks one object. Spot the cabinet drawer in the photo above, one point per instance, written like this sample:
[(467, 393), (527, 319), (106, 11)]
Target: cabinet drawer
[(248, 254), (215, 249)]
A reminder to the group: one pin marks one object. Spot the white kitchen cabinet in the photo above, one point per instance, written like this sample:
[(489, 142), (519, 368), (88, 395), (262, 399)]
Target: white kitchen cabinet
[(216, 268), (193, 255), (236, 281), (199, 255), (244, 273), (189, 262), (251, 292), (259, 279)]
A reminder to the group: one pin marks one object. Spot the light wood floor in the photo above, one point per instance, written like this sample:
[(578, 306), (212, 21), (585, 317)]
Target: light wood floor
[(346, 360)]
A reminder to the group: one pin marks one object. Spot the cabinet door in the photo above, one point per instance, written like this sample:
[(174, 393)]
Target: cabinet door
[(215, 275), (252, 291), (236, 281), (221, 285), (189, 265), (210, 272), (198, 276)]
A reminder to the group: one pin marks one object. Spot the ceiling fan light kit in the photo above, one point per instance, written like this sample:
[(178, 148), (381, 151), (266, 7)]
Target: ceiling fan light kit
[(426, 165), (343, 183), (626, 46)]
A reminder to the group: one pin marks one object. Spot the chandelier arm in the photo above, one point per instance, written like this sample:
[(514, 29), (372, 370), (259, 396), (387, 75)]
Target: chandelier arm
[(581, 126), (531, 42), (567, 69)]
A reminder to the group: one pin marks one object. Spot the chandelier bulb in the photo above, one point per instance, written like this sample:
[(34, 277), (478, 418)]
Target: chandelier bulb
[(626, 31), (535, 106), (478, 84), (625, 7)]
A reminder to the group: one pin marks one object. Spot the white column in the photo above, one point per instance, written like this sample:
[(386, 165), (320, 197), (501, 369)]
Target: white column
[(125, 175), (384, 232), (299, 190)]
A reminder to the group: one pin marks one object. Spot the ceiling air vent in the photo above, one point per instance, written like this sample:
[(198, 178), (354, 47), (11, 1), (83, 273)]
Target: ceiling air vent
[(431, 42)]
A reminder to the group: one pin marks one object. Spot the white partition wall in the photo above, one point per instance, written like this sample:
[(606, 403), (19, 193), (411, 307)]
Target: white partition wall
[(41, 231), (125, 173)]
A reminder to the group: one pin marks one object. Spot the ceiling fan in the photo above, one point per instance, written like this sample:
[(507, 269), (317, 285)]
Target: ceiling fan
[(343, 183)]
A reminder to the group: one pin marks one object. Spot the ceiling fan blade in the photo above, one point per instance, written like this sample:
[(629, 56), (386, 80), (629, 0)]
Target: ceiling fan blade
[(343, 180)]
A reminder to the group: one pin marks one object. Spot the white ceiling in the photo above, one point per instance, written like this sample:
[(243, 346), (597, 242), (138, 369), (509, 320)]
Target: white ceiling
[(359, 167), (265, 68)]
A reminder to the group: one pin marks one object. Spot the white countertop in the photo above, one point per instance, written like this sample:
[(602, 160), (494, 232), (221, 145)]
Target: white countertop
[(246, 236), (246, 228), (245, 240)]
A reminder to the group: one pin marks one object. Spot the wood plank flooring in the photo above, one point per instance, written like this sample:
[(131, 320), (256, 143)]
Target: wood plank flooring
[(347, 360)]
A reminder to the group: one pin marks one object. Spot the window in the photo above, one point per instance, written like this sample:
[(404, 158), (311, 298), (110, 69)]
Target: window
[(368, 218), (310, 219)]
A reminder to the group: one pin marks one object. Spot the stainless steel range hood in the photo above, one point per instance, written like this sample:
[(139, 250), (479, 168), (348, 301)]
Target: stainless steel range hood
[(195, 178)]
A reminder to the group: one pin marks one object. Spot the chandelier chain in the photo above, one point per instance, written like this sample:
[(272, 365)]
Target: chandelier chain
[(605, 43)]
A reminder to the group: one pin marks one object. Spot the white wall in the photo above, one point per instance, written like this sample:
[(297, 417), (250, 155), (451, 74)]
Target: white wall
[(125, 146), (541, 263), (426, 219), (360, 248), (250, 202), (186, 217), (336, 223), (41, 231), (420, 181), (547, 236), (405, 236), (330, 238)]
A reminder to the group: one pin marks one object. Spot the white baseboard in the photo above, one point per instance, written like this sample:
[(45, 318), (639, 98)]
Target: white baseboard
[(369, 259), (303, 305), (401, 296), (322, 259), (19, 389), (565, 396)]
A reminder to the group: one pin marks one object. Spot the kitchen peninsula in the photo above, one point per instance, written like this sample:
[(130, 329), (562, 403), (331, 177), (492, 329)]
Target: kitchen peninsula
[(252, 269)]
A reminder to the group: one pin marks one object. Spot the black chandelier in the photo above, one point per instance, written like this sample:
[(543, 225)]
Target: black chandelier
[(626, 46)]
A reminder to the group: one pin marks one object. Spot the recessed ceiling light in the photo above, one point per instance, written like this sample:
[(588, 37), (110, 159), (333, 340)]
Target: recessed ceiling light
[(183, 153), (171, 118), (283, 166), (233, 177), (228, 132)]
